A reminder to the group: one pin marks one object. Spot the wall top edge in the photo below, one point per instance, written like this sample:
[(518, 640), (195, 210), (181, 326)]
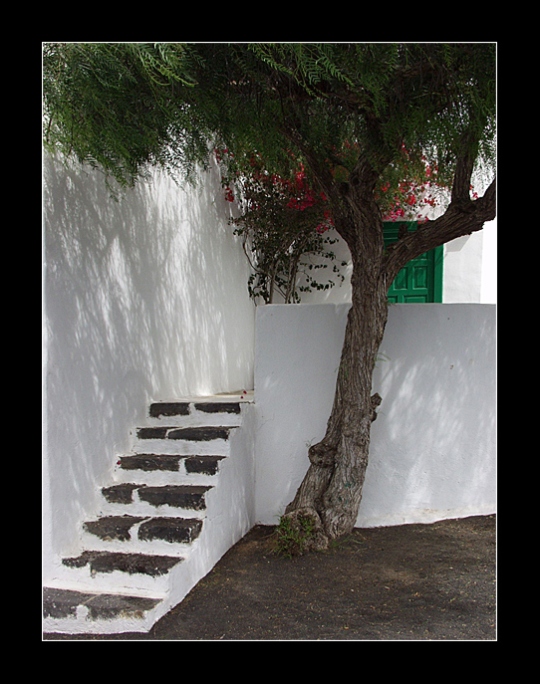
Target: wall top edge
[(348, 304)]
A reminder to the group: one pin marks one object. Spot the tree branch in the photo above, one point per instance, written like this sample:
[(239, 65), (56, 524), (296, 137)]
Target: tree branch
[(462, 178), (463, 217)]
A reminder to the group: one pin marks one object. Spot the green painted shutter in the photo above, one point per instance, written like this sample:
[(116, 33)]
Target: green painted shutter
[(420, 281)]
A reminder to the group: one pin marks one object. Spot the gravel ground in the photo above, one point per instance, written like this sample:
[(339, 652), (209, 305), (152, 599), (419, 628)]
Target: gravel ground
[(408, 582)]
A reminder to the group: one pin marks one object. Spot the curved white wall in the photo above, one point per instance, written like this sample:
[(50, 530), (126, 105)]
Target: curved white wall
[(433, 444), (145, 299)]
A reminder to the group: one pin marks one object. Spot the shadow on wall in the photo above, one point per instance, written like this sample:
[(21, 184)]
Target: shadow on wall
[(298, 351), (433, 444), (146, 298)]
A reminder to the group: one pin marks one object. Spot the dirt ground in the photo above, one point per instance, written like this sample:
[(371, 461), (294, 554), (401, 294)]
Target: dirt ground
[(409, 582)]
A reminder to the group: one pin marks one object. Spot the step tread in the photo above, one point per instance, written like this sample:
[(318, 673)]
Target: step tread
[(63, 603), (160, 409), (169, 408), (120, 493), (184, 495), (173, 530), (171, 463), (118, 527), (218, 407), (132, 563), (203, 465), (191, 434), (150, 462), (113, 527)]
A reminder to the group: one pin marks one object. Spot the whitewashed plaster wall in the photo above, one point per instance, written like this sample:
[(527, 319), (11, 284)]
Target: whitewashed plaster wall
[(144, 299), (462, 269), (488, 292), (470, 267), (433, 443)]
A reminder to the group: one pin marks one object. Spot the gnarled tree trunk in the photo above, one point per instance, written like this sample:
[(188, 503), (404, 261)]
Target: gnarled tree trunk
[(330, 493)]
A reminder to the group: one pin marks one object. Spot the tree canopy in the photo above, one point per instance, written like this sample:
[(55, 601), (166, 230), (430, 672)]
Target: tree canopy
[(125, 107)]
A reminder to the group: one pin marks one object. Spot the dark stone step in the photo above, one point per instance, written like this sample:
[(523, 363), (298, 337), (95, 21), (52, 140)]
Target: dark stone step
[(218, 407), (63, 603), (199, 434), (121, 493), (182, 408), (192, 434), (153, 432), (173, 530), (179, 496), (132, 563), (180, 530), (113, 527), (174, 408), (151, 462), (204, 465)]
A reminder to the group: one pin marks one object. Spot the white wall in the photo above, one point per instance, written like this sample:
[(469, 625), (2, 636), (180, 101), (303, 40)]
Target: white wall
[(462, 269), (470, 267), (144, 299), (341, 292), (489, 264), (433, 443)]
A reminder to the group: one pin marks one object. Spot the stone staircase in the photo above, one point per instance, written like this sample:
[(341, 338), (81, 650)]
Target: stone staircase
[(165, 520)]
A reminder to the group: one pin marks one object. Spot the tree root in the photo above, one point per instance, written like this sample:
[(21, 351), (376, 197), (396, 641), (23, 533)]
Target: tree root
[(300, 532)]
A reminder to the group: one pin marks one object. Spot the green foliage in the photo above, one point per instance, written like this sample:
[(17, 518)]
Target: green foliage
[(119, 107), (126, 106), (292, 537)]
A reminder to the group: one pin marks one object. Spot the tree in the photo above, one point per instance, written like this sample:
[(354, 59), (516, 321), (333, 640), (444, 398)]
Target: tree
[(360, 118)]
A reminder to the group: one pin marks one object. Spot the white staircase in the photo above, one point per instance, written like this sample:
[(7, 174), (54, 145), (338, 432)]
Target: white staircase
[(165, 520)]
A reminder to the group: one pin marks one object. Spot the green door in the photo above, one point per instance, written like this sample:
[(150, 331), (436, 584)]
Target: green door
[(420, 281)]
